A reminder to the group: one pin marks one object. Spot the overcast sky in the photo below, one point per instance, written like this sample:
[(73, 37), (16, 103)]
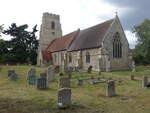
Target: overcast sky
[(76, 14)]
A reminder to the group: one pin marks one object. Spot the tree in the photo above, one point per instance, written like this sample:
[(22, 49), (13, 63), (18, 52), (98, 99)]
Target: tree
[(1, 29), (142, 49), (23, 45)]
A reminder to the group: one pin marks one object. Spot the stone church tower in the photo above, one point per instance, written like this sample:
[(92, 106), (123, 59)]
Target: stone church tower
[(50, 30)]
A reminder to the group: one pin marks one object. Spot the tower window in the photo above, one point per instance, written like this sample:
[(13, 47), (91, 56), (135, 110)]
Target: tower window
[(117, 46), (52, 25), (87, 57)]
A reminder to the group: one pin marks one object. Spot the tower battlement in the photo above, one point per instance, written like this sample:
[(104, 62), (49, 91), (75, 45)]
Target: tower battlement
[(51, 15)]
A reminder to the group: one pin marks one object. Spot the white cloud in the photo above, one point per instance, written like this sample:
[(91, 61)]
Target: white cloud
[(74, 14), (131, 38)]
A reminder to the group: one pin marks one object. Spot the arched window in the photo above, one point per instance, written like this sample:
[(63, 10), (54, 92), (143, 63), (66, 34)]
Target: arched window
[(70, 57), (87, 57), (117, 46), (52, 25)]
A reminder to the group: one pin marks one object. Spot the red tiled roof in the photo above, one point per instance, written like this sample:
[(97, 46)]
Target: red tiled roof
[(90, 37), (62, 43)]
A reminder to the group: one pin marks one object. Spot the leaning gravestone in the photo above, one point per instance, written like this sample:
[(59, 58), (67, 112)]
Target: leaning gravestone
[(110, 90), (31, 77), (145, 82), (12, 75), (64, 82), (64, 98), (31, 72), (50, 73), (42, 83)]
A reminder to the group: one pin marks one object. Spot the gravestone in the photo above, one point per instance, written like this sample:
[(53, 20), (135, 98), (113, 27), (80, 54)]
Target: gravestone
[(110, 90), (50, 73), (144, 81), (42, 83), (32, 80), (64, 98), (12, 75), (79, 82), (64, 82), (31, 72), (132, 77), (31, 77), (89, 69)]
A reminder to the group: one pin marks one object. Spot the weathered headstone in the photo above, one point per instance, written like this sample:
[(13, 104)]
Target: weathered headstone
[(79, 82), (50, 73), (110, 90), (12, 75), (64, 98), (31, 77), (32, 80), (31, 72), (64, 82), (89, 69), (41, 83), (132, 77), (144, 81)]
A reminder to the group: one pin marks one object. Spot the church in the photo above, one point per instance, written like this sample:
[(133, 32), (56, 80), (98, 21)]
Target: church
[(103, 46)]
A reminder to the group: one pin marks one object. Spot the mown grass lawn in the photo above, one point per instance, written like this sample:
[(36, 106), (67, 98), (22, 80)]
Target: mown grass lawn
[(19, 97)]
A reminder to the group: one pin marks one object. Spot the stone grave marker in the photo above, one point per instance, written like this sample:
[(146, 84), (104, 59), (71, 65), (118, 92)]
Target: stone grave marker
[(42, 83), (89, 69), (145, 82), (31, 72), (110, 90), (50, 73), (64, 82), (79, 82), (12, 75), (132, 77), (64, 98), (32, 80)]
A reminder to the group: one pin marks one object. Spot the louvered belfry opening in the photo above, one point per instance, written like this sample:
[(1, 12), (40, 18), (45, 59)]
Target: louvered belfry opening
[(117, 46)]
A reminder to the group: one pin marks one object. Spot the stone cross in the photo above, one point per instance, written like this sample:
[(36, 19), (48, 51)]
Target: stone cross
[(110, 90), (50, 73), (64, 98), (41, 83), (144, 81), (12, 75), (64, 82)]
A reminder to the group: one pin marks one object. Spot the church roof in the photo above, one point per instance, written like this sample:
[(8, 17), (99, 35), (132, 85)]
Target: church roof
[(79, 40), (90, 37), (61, 43)]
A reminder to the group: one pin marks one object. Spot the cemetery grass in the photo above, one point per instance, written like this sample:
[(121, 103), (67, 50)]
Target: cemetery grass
[(19, 97)]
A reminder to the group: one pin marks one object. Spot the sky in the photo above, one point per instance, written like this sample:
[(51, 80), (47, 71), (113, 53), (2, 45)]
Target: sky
[(76, 14)]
